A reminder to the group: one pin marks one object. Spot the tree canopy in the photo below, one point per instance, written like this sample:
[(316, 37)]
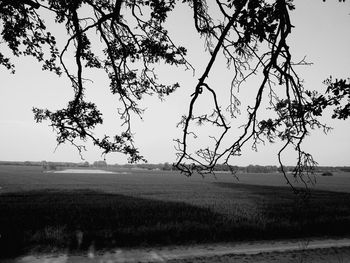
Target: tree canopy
[(127, 38)]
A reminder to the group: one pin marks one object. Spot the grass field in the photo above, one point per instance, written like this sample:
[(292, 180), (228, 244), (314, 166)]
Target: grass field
[(143, 208)]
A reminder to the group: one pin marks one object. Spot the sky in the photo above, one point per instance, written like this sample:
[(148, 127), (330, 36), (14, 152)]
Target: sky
[(321, 33)]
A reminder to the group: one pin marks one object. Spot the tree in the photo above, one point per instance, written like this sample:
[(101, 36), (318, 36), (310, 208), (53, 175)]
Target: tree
[(100, 164), (126, 51), (251, 34), (167, 166)]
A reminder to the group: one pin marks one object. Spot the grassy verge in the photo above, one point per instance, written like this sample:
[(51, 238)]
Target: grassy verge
[(77, 219)]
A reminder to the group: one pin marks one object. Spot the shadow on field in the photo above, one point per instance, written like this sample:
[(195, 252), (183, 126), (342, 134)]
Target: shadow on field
[(80, 219)]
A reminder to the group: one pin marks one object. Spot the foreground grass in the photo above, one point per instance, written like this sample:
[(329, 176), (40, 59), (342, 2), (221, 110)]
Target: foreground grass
[(77, 219)]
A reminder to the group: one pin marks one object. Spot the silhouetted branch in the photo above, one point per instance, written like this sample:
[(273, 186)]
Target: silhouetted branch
[(251, 35), (253, 22)]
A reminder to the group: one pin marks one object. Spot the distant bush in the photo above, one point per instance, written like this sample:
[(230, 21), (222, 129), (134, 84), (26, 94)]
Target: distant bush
[(327, 174), (49, 166), (52, 166)]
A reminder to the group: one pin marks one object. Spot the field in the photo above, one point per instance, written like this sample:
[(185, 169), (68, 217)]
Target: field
[(45, 211)]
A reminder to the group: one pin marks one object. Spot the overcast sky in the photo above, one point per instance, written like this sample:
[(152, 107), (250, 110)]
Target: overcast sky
[(321, 34)]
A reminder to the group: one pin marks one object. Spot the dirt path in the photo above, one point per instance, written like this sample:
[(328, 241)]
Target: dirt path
[(328, 250)]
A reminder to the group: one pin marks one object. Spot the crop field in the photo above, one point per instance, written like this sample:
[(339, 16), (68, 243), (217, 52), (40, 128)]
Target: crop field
[(40, 210)]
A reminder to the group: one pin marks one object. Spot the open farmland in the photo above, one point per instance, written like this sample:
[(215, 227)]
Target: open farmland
[(137, 207)]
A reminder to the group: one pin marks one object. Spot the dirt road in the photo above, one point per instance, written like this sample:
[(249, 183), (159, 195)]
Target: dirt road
[(326, 250)]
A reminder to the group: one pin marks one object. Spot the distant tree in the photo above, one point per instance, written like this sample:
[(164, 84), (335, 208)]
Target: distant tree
[(167, 166), (84, 164), (100, 164), (133, 38), (50, 166)]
